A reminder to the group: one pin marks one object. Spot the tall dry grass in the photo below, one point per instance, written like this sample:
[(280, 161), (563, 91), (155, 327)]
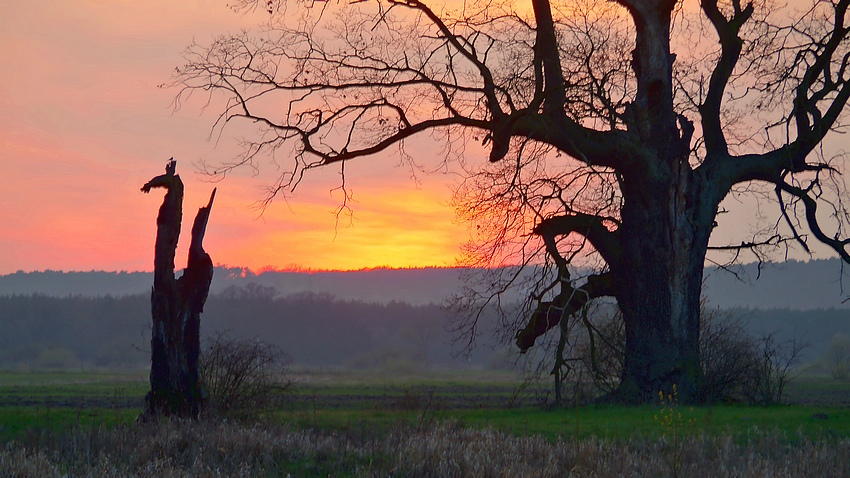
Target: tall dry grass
[(178, 449)]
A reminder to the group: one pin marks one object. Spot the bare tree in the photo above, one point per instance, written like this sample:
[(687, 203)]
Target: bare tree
[(615, 130)]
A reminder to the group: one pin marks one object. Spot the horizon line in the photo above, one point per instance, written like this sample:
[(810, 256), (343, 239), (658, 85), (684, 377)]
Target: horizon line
[(295, 268), (246, 270)]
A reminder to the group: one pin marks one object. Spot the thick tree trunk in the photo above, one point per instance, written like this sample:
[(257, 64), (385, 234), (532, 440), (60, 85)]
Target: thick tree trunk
[(176, 306), (665, 234), (667, 216)]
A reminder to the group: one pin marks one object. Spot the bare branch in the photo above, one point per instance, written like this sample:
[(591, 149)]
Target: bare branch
[(731, 44), (811, 207)]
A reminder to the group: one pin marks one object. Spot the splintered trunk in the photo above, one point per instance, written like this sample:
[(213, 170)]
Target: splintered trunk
[(665, 237), (176, 306)]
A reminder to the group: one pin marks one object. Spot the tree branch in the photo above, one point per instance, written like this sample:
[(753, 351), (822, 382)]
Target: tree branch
[(606, 242), (548, 314), (820, 95), (731, 44), (811, 206)]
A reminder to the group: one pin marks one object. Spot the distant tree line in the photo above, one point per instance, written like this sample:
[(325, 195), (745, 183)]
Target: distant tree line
[(313, 329), (50, 332), (317, 330)]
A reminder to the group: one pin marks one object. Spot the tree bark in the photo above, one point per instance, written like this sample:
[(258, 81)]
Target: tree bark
[(176, 305), (665, 233)]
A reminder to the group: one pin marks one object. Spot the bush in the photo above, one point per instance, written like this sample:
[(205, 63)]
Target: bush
[(836, 359), (602, 354), (771, 370), (242, 378), (728, 356), (735, 364)]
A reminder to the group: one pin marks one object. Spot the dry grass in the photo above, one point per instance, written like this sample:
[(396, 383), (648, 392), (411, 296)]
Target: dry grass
[(174, 448)]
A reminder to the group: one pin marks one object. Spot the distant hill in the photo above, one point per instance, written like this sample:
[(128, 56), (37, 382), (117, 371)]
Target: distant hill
[(315, 330), (793, 284), (414, 286), (89, 284)]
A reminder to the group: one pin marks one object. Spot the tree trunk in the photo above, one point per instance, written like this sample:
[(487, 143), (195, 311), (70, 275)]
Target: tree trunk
[(176, 306), (667, 216), (665, 232)]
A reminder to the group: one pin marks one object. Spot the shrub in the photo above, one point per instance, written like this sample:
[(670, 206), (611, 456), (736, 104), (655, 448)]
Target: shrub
[(836, 359), (771, 370), (601, 354), (728, 356), (242, 378), (735, 364)]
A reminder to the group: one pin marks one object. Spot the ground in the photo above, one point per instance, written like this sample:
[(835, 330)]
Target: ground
[(439, 423)]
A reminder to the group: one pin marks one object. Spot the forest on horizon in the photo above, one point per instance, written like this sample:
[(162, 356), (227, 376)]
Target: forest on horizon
[(364, 319), (313, 330), (816, 284)]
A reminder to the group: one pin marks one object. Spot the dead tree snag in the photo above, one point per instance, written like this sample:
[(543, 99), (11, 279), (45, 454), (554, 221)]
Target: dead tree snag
[(176, 305)]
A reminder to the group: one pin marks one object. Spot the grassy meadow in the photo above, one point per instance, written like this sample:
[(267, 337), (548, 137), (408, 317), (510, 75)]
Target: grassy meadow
[(433, 423)]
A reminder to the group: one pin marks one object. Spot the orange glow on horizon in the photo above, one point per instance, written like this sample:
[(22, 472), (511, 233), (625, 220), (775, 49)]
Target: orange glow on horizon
[(389, 227), (83, 125)]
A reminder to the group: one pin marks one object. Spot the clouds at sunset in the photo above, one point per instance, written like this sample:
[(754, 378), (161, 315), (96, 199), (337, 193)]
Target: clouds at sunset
[(85, 121), (83, 124)]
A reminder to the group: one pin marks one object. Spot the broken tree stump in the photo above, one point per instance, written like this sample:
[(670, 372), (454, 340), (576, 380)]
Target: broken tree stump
[(176, 305)]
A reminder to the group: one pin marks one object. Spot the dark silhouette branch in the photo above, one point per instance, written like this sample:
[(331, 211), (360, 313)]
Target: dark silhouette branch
[(811, 207), (606, 242), (731, 44), (569, 300)]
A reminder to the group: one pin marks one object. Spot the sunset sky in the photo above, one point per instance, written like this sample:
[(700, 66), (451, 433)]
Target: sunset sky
[(83, 125)]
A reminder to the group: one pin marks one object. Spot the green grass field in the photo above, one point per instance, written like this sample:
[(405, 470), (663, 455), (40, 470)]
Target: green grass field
[(482, 400), (335, 400)]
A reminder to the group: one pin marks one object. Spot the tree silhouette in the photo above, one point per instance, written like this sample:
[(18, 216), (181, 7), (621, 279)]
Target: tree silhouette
[(176, 305), (614, 129)]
